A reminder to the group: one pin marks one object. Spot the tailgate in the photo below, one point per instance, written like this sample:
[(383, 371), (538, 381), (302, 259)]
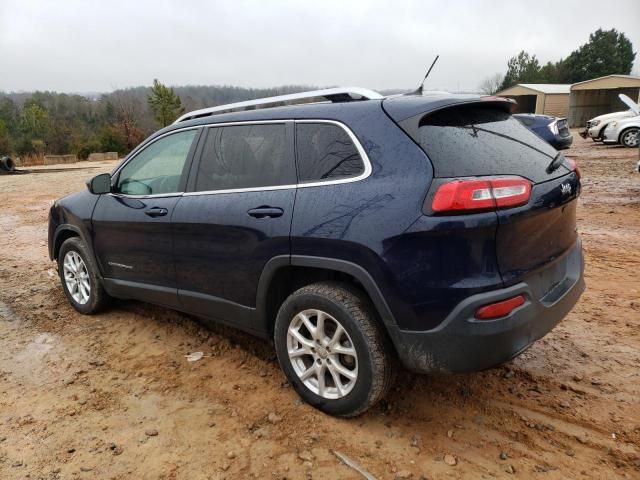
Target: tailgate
[(534, 235), (482, 140), (563, 127)]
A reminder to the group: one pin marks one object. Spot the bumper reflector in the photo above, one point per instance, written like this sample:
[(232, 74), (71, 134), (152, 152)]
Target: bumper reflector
[(499, 309)]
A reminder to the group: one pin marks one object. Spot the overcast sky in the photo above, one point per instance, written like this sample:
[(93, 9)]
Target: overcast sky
[(91, 46)]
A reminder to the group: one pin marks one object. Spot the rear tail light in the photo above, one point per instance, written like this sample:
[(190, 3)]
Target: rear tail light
[(553, 126), (574, 166), (499, 309), (481, 194)]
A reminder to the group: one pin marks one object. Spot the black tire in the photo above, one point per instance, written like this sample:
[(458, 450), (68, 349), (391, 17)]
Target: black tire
[(630, 142), (376, 363), (98, 299), (7, 164)]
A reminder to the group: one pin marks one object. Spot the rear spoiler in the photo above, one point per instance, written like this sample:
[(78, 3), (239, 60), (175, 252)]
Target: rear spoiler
[(405, 107), (408, 113)]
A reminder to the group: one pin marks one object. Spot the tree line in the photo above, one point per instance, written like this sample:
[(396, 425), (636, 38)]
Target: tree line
[(59, 123), (607, 52)]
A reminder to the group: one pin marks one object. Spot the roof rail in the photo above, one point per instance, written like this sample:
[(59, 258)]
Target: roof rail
[(340, 94)]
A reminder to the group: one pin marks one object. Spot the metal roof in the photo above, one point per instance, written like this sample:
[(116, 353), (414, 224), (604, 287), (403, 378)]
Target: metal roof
[(547, 87), (626, 80)]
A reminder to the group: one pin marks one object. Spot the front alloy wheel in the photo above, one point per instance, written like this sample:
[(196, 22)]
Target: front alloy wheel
[(79, 277), (76, 277), (322, 354)]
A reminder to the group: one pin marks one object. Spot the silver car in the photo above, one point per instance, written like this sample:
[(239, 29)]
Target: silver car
[(625, 132), (596, 126)]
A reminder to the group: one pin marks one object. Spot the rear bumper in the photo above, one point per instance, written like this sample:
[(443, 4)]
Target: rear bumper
[(462, 343), (560, 143)]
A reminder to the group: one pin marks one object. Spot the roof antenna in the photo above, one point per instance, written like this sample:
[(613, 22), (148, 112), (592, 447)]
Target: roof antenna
[(418, 91)]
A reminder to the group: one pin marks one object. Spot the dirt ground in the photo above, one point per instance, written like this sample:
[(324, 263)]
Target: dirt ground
[(113, 397)]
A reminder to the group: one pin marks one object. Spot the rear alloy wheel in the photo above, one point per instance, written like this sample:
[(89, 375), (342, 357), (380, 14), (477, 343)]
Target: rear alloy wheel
[(322, 354), (630, 138), (332, 349)]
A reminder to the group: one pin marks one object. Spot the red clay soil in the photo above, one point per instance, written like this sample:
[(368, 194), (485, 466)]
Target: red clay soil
[(112, 396)]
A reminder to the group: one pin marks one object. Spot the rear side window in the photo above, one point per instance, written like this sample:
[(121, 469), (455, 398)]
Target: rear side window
[(245, 156), (476, 140), (325, 152)]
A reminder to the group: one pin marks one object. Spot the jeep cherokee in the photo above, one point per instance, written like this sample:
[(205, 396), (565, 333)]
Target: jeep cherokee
[(353, 230)]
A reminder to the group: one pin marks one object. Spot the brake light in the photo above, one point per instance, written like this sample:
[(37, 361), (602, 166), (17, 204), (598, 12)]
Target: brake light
[(574, 166), (481, 194), (499, 309)]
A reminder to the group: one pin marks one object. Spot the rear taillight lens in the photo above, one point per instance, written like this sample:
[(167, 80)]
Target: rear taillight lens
[(574, 166), (553, 126), (481, 194), (499, 309)]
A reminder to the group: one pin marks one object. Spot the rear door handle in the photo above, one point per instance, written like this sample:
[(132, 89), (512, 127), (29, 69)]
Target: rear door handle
[(264, 211), (156, 212)]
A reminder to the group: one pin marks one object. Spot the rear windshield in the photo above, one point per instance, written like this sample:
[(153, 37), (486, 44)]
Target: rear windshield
[(476, 140)]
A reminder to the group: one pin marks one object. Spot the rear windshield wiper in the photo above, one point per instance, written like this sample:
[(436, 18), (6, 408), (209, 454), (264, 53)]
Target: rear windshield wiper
[(555, 163)]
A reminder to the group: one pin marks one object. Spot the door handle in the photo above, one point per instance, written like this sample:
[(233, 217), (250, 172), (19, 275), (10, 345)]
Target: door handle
[(156, 212), (265, 211)]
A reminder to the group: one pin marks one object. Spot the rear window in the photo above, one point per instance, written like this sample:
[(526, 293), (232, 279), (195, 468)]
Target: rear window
[(245, 156), (477, 140), (525, 120), (325, 152)]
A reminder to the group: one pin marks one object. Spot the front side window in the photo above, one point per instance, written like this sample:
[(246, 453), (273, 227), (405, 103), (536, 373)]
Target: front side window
[(245, 156), (325, 152), (158, 168)]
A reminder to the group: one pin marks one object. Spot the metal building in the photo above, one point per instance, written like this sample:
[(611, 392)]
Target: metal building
[(541, 98), (595, 97)]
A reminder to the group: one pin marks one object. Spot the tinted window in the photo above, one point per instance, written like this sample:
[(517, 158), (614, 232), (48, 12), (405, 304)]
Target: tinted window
[(474, 140), (158, 168), (325, 152), (245, 156), (525, 119)]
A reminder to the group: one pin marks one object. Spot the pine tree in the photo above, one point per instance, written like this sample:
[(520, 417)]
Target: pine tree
[(164, 103), (607, 52), (523, 68)]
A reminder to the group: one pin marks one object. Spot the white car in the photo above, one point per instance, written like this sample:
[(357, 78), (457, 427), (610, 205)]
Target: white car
[(625, 132), (597, 125)]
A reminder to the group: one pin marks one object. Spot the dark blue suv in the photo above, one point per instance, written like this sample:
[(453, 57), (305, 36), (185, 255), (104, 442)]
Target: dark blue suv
[(351, 229)]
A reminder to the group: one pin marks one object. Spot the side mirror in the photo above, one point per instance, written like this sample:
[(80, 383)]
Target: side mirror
[(100, 184)]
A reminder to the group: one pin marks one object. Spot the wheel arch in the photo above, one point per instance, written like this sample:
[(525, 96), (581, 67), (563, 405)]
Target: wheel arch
[(63, 233), (601, 131), (284, 274)]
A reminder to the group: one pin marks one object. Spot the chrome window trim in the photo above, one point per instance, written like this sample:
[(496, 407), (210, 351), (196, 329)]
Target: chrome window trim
[(156, 195), (368, 169), (363, 155)]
